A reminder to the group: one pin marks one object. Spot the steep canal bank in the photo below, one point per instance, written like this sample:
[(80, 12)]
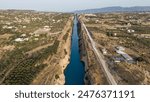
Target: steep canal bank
[(75, 72)]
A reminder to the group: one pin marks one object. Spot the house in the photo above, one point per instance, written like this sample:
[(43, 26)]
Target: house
[(26, 39), (19, 40), (126, 57), (46, 27), (130, 31), (120, 48), (104, 51), (9, 27), (24, 27), (115, 34), (58, 21), (129, 24), (36, 39), (23, 35)]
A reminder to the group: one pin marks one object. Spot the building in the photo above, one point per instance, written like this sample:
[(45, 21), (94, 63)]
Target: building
[(130, 31), (19, 40), (126, 57), (23, 35), (104, 51), (120, 48)]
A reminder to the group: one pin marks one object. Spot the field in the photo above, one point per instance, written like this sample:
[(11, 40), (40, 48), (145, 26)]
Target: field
[(29, 41)]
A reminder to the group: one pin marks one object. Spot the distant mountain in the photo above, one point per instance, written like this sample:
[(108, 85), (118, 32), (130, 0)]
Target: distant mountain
[(115, 9)]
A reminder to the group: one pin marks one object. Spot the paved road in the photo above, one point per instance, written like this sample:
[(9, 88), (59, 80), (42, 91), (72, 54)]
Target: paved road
[(101, 61)]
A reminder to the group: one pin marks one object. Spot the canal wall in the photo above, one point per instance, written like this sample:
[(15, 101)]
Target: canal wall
[(93, 73), (83, 52), (64, 53)]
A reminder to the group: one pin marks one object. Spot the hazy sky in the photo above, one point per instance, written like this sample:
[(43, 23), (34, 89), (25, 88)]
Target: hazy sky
[(68, 5)]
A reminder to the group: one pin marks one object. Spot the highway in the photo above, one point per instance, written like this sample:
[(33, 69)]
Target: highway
[(100, 59)]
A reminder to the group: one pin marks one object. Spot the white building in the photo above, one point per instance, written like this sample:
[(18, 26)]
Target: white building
[(23, 35), (26, 39), (120, 48), (104, 51), (127, 58), (19, 40), (130, 31)]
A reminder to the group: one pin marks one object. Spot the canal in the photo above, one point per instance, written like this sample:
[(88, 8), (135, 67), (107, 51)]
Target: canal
[(74, 73)]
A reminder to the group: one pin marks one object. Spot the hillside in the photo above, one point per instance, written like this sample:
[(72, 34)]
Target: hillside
[(115, 9)]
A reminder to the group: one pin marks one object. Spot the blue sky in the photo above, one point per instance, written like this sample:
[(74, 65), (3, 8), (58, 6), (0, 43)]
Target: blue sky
[(68, 5)]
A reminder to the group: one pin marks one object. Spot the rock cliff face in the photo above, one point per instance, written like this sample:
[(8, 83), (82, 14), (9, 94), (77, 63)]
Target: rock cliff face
[(94, 74), (53, 74), (64, 54)]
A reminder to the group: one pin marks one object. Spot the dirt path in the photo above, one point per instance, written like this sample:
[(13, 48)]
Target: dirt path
[(38, 48)]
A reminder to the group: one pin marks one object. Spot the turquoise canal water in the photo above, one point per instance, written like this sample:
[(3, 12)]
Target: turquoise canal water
[(74, 73)]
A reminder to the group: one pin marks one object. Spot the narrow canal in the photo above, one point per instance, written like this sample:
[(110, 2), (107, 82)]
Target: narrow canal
[(74, 73)]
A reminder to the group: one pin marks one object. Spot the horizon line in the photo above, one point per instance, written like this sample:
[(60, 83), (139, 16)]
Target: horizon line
[(26, 9)]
